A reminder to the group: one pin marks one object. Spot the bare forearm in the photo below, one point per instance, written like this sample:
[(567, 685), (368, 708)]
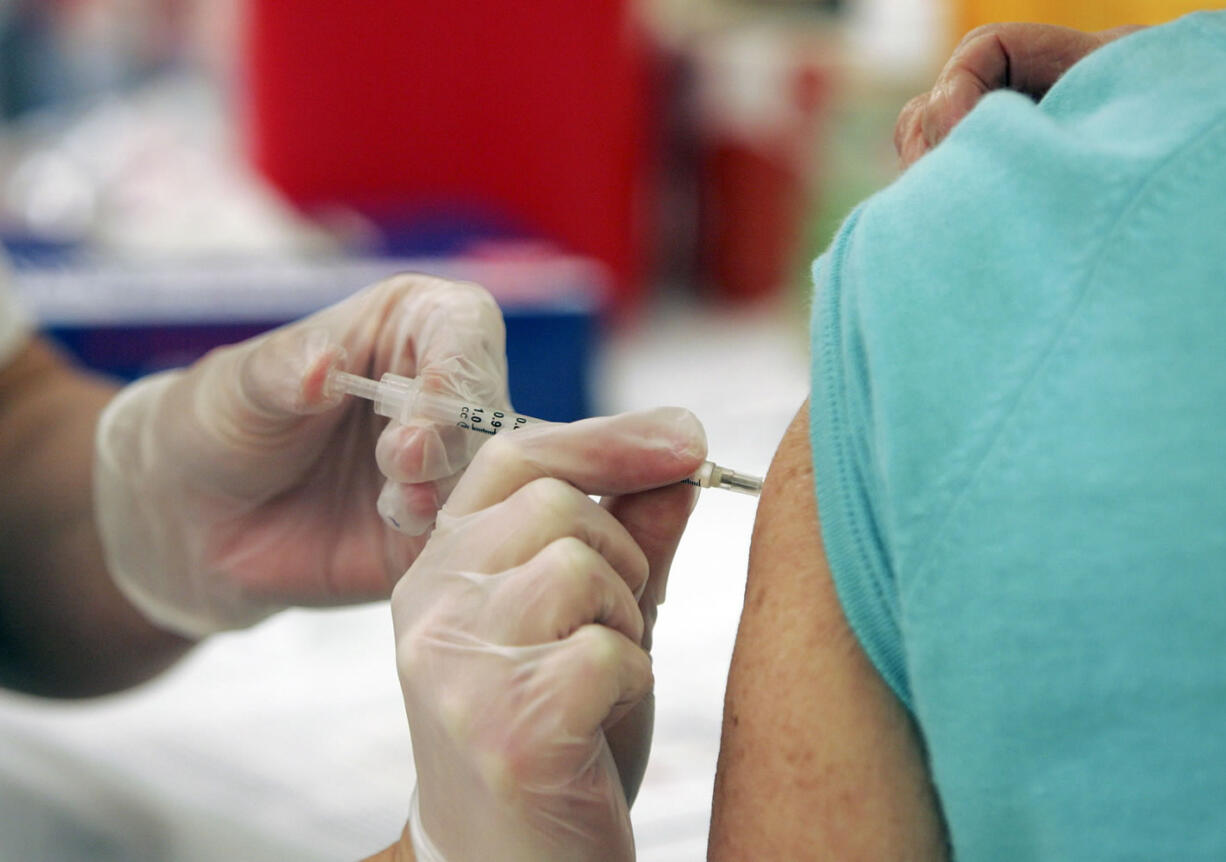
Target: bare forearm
[(65, 630)]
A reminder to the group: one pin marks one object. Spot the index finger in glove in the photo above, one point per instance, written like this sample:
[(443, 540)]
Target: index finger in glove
[(608, 455)]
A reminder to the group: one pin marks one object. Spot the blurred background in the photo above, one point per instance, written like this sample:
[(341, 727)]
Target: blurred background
[(641, 183)]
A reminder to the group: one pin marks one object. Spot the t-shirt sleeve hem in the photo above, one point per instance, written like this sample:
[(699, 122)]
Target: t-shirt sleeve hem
[(857, 563)]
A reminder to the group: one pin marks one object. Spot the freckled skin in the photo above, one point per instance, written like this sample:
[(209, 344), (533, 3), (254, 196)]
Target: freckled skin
[(818, 759)]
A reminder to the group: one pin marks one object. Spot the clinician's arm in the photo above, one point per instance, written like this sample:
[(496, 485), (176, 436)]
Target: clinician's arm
[(819, 760), (65, 630), (228, 490)]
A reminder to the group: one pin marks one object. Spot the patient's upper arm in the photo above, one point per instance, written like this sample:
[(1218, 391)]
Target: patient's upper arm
[(818, 760)]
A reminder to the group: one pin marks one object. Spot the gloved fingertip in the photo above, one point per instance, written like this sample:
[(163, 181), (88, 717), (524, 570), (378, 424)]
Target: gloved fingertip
[(467, 377), (322, 356), (285, 373), (636, 679), (408, 509), (414, 452), (688, 436)]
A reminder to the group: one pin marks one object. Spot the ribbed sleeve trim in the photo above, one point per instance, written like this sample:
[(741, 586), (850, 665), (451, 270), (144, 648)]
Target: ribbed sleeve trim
[(858, 563)]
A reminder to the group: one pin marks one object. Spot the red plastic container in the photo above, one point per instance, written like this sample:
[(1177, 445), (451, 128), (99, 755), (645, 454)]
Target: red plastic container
[(529, 115), (763, 93)]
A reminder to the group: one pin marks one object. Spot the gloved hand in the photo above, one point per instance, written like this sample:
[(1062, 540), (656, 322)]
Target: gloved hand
[(519, 638), (1027, 58), (231, 489)]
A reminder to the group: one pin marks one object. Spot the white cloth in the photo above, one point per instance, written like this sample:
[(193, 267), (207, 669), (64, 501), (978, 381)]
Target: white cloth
[(14, 325)]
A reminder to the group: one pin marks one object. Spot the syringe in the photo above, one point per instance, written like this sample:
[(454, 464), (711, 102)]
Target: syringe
[(402, 398)]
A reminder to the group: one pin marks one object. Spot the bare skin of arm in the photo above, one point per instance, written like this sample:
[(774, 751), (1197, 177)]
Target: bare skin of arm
[(65, 630), (818, 760)]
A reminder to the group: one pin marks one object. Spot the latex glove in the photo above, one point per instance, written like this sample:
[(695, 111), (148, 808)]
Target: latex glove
[(1027, 58), (519, 638), (236, 487)]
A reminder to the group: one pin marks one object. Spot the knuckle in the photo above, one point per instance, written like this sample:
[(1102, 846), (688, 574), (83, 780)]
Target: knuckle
[(445, 293), (982, 29), (436, 294), (451, 701), (409, 280), (992, 29), (500, 770), (419, 621), (475, 294), (395, 287), (910, 119), (500, 454), (397, 283), (640, 569), (570, 555), (412, 654), (507, 760), (553, 498), (456, 716), (914, 105), (600, 648)]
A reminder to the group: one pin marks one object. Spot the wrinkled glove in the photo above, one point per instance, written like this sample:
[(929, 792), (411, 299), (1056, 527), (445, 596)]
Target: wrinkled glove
[(519, 634), (239, 486)]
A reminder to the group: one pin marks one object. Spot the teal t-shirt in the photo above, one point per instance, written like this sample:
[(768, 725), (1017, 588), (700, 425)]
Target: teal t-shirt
[(1019, 434)]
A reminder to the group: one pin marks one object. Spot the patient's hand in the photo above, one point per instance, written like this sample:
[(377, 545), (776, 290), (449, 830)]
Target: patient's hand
[(520, 637), (1027, 58)]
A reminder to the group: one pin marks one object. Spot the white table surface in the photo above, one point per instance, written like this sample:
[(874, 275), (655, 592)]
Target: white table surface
[(288, 741)]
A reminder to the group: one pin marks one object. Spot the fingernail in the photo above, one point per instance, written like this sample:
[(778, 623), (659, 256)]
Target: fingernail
[(319, 354), (931, 121), (397, 515)]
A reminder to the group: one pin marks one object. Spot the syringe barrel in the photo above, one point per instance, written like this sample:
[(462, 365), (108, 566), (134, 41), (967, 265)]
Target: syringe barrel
[(396, 397), (486, 420), (341, 382), (402, 398)]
